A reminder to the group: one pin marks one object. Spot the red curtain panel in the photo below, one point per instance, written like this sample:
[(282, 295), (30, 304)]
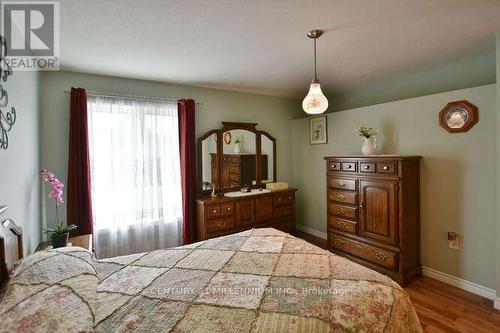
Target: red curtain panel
[(187, 146), (79, 201)]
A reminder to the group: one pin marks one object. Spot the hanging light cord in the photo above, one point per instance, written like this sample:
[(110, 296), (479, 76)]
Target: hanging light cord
[(315, 69)]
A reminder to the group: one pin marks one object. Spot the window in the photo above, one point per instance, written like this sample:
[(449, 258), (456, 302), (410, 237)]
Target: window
[(135, 171)]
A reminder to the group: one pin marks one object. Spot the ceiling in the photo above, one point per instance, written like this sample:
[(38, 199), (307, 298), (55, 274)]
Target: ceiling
[(260, 45)]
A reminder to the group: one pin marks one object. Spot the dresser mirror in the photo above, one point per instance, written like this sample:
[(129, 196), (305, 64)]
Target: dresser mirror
[(235, 156)]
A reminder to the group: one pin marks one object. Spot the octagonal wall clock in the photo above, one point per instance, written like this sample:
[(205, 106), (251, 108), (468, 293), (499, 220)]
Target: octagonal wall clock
[(458, 117)]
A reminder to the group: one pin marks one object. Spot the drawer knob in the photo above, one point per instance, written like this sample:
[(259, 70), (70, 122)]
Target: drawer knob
[(341, 196), (380, 256), (367, 167), (341, 211), (349, 166), (337, 243), (361, 205), (228, 209), (341, 225), (221, 223), (290, 198), (385, 167), (280, 199), (341, 183), (333, 166), (214, 211)]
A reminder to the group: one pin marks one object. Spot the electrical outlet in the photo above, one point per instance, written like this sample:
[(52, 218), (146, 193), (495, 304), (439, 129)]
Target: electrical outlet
[(453, 240)]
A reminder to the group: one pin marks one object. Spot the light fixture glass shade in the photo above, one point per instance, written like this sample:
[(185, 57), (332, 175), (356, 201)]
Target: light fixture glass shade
[(315, 102)]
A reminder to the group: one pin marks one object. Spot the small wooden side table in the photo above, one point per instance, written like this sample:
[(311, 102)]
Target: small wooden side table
[(84, 241)]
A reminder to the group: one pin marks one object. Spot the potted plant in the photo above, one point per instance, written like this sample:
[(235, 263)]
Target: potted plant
[(60, 234), (237, 145), (369, 145)]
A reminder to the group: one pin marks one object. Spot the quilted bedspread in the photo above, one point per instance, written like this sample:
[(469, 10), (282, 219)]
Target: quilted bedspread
[(260, 280)]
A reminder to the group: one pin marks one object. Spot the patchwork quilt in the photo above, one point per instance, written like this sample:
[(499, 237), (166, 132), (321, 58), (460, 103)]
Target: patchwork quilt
[(260, 280)]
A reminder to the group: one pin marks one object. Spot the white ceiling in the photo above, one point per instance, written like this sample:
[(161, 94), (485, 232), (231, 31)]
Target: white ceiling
[(260, 46)]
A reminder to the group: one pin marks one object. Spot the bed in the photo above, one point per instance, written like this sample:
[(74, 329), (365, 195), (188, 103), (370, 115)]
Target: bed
[(260, 280)]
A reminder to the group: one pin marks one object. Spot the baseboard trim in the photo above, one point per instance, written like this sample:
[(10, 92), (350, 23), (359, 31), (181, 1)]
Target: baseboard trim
[(432, 273), (496, 303), (311, 231), (460, 283)]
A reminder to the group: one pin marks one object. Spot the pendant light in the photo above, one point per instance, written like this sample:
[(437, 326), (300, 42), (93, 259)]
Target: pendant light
[(315, 102)]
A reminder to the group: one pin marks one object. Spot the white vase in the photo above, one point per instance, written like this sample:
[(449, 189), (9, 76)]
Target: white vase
[(237, 148), (369, 146)]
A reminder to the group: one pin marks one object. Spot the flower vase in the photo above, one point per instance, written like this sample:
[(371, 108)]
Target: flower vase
[(237, 148), (59, 240), (369, 146)]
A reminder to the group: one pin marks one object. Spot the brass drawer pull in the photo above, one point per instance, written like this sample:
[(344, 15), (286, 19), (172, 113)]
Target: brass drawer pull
[(386, 167), (214, 211), (221, 223), (367, 167), (341, 225), (341, 196), (341, 183), (341, 211), (337, 243), (380, 256)]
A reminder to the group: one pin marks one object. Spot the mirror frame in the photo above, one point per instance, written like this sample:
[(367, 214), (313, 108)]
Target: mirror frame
[(227, 126)]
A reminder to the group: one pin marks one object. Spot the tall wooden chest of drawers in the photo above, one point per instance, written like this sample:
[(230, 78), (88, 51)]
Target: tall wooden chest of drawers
[(373, 212)]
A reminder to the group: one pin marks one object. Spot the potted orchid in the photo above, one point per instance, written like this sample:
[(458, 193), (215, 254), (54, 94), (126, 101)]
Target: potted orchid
[(60, 234)]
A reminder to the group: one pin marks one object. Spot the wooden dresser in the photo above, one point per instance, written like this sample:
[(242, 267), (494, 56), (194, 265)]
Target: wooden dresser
[(237, 169), (221, 215), (374, 214)]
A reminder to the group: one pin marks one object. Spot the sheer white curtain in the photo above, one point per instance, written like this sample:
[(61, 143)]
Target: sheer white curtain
[(135, 170)]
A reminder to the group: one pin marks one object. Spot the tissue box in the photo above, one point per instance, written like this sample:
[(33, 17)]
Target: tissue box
[(277, 186)]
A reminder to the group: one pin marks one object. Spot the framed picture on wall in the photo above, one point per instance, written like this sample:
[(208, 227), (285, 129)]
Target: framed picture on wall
[(318, 130)]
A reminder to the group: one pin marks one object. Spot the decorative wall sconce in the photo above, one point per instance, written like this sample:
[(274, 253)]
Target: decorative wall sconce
[(7, 113)]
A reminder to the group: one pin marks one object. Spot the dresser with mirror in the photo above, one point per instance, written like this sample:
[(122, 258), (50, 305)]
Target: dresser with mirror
[(235, 163)]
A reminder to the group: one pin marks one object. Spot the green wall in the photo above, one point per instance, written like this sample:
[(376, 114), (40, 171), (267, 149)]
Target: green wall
[(20, 163), (459, 74), (457, 171), (273, 114), (497, 252)]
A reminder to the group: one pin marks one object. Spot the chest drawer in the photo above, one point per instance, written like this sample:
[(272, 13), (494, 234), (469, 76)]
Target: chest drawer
[(283, 211), (341, 183), (348, 166), (366, 167), (213, 211), (284, 198), (343, 196), (333, 166), (387, 167), (220, 224), (227, 209), (371, 253), (342, 225), (342, 211)]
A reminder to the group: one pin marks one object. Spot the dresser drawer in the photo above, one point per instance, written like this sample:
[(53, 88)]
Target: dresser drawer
[(348, 197), (333, 166), (220, 224), (227, 209), (371, 253), (284, 211), (343, 184), (366, 167), (348, 166), (387, 167), (342, 225), (342, 211), (213, 211), (284, 198)]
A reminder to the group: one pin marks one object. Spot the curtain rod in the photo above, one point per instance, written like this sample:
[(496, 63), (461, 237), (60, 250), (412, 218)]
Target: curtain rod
[(105, 94)]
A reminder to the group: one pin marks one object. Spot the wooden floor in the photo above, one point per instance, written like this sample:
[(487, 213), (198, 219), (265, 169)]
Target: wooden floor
[(441, 307)]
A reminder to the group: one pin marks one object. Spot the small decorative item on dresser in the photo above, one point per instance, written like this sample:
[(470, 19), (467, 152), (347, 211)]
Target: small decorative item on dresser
[(318, 130), (237, 146), (370, 144), (458, 117)]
